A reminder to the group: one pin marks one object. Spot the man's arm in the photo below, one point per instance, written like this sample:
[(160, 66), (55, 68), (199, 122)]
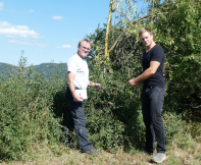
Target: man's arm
[(72, 87), (96, 85), (146, 74)]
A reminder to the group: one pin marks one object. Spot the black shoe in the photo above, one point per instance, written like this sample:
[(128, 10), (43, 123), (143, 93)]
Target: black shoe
[(93, 151)]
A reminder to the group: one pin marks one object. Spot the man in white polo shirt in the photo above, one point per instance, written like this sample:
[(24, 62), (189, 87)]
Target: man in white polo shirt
[(78, 81)]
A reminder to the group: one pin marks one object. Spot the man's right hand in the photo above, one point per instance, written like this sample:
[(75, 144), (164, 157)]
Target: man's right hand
[(132, 82), (77, 98)]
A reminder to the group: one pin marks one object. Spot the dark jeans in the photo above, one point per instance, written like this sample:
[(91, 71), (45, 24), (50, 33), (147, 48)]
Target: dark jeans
[(152, 101), (75, 119)]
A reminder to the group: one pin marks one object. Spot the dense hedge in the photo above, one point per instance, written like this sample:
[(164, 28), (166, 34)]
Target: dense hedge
[(32, 110)]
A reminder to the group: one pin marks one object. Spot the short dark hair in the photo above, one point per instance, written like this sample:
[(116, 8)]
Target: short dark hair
[(145, 29), (86, 40)]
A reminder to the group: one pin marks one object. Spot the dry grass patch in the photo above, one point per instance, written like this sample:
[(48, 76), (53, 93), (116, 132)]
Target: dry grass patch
[(74, 157), (59, 155)]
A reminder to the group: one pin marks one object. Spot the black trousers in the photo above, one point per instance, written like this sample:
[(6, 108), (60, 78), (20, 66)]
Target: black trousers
[(75, 119), (152, 101)]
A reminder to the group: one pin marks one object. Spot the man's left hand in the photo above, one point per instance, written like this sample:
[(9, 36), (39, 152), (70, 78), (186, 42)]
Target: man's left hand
[(98, 86)]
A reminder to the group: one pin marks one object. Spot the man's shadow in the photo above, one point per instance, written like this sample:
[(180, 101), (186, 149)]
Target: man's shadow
[(60, 109)]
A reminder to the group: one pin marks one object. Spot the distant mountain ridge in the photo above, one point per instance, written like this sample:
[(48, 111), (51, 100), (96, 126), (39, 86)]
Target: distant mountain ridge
[(47, 69)]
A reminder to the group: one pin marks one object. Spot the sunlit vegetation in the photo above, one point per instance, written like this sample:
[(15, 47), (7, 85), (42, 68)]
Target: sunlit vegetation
[(33, 105)]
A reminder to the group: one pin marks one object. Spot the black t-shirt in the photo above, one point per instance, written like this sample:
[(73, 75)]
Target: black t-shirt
[(155, 54)]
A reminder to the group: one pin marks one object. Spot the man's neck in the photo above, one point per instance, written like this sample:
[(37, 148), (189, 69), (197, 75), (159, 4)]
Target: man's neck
[(79, 55), (150, 46)]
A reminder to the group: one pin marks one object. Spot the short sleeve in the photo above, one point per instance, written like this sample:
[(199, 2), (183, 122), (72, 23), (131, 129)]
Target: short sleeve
[(157, 54), (71, 66)]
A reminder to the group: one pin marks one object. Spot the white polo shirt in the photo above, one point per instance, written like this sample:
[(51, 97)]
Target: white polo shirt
[(79, 67)]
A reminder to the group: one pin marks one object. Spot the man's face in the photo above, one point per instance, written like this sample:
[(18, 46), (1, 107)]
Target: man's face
[(146, 38), (84, 49)]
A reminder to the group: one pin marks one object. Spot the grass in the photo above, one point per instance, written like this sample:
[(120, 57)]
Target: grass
[(74, 157), (43, 155)]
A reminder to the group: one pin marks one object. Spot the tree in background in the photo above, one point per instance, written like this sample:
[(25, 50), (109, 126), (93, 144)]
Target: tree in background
[(176, 27)]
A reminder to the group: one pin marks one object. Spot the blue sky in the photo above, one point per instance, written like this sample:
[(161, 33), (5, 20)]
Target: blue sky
[(47, 30)]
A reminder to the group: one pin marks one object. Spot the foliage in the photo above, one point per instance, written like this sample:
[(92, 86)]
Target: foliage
[(181, 40), (123, 14), (112, 115), (27, 117), (32, 108), (126, 54)]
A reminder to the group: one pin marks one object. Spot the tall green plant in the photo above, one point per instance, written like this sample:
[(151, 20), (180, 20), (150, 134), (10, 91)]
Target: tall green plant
[(27, 118)]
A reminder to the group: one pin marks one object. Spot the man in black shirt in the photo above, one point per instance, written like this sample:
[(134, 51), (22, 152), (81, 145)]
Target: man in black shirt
[(152, 94)]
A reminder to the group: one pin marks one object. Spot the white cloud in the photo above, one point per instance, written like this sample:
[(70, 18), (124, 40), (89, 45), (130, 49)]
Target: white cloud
[(28, 11), (12, 31), (67, 46), (1, 5), (57, 17), (27, 43), (64, 46), (31, 11)]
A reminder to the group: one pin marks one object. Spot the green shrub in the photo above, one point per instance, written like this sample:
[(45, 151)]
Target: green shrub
[(26, 113), (32, 110)]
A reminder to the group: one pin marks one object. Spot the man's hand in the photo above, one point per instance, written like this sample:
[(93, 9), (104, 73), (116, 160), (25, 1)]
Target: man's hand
[(77, 98), (132, 82), (98, 86)]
